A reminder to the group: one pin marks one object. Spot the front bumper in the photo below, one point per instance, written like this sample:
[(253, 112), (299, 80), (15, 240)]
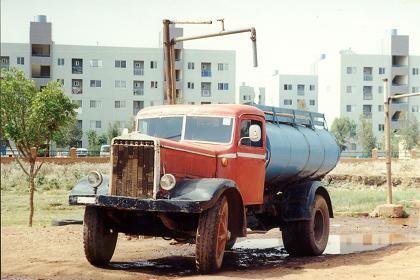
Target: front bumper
[(130, 203)]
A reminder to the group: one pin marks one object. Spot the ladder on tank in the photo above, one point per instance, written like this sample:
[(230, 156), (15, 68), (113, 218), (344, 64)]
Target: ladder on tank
[(291, 116)]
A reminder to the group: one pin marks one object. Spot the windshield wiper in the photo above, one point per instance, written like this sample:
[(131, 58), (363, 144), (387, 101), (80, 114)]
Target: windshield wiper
[(178, 135)]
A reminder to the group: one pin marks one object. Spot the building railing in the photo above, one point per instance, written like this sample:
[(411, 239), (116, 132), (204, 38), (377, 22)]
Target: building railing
[(205, 73), (138, 91), (300, 92), (77, 69), (367, 77), (367, 115), (205, 93), (41, 76), (138, 71), (40, 54), (367, 96), (76, 90)]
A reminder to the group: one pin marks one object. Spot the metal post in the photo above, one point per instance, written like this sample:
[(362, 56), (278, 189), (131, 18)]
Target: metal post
[(173, 76), (167, 53), (387, 101)]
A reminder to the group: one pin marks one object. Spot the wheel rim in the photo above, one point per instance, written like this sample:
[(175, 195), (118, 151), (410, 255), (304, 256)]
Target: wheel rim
[(318, 226), (222, 232)]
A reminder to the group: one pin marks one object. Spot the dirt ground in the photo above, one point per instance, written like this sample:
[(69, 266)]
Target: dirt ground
[(57, 253)]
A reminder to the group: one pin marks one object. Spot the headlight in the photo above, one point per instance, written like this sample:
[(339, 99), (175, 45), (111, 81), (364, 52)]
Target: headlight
[(95, 179), (167, 182)]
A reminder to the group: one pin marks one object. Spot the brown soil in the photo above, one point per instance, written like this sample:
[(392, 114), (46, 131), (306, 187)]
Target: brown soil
[(57, 253)]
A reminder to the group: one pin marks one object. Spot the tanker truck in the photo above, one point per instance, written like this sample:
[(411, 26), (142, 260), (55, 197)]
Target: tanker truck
[(204, 174)]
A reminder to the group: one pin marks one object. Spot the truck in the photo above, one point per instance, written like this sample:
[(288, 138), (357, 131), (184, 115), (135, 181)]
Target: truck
[(206, 174)]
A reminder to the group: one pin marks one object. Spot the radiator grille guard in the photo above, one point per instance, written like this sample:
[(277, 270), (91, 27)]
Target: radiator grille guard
[(133, 168)]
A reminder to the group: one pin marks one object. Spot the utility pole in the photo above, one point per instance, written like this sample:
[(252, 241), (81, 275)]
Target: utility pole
[(169, 46), (387, 107)]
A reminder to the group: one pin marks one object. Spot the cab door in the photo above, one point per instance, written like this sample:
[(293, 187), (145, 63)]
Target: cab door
[(250, 162)]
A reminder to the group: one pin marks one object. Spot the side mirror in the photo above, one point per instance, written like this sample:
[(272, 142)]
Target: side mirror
[(255, 133)]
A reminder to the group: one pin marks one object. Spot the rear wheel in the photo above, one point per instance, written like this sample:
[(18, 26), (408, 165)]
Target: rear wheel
[(308, 238), (212, 235), (98, 239)]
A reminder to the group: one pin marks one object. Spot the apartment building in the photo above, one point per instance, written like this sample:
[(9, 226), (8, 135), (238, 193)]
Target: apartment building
[(351, 84), (295, 91), (111, 84), (246, 94)]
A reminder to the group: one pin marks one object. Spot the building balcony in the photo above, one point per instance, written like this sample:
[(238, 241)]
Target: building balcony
[(138, 71), (367, 115), (367, 96), (205, 73), (76, 90), (367, 77), (41, 60), (401, 70), (41, 81), (77, 69), (205, 93), (138, 91), (399, 88)]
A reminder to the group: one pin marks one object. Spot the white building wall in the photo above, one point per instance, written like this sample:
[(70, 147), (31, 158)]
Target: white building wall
[(15, 50)]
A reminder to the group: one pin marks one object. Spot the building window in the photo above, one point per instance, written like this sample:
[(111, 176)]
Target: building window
[(120, 84), (414, 89), (415, 108), (351, 70), (153, 84), (367, 93), (138, 87), (349, 108), (381, 127), (381, 70), (222, 66), (287, 87), (95, 83), (76, 86), (20, 60), (311, 87), (312, 102), (120, 64), (119, 104), (153, 64), (95, 63), (138, 67), (61, 81), (415, 71), (95, 104), (205, 89), (78, 103), (95, 124), (60, 61), (190, 85), (287, 102), (300, 89), (349, 89), (137, 106), (380, 108), (205, 69), (190, 65), (380, 89), (353, 147), (77, 66), (222, 86)]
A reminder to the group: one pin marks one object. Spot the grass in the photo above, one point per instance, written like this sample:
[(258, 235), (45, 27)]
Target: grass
[(348, 198), (55, 181)]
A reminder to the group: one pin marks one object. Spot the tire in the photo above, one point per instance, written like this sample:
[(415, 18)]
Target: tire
[(99, 240), (211, 239), (308, 238), (230, 243)]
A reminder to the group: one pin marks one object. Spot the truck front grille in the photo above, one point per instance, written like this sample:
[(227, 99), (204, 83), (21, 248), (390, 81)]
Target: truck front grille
[(132, 168)]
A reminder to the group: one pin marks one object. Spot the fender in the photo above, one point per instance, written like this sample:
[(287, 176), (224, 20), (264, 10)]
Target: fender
[(83, 188), (297, 201), (208, 191)]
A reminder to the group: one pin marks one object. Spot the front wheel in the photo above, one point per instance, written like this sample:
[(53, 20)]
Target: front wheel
[(212, 235), (308, 238), (98, 239)]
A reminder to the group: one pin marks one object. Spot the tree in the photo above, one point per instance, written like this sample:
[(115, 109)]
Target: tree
[(410, 132), (29, 119), (113, 131), (95, 140), (68, 136), (365, 134), (344, 129)]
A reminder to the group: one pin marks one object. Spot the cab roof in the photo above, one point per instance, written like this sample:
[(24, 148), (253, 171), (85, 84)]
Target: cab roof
[(233, 110)]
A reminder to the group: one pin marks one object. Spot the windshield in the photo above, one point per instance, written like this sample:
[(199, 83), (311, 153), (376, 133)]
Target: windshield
[(163, 127), (197, 128)]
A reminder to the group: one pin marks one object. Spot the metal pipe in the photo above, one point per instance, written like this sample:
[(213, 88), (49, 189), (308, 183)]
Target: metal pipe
[(254, 45), (167, 53), (191, 22), (222, 33), (387, 141), (404, 95), (173, 75)]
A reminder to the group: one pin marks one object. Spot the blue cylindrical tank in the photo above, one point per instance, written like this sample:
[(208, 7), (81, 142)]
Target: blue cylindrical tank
[(298, 153)]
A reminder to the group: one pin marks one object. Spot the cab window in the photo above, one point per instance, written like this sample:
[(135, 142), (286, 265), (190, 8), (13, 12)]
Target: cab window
[(245, 124)]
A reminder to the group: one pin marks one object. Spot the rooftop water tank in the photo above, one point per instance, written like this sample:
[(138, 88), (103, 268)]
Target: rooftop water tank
[(41, 18)]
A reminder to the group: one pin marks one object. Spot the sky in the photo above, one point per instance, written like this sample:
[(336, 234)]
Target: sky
[(291, 35)]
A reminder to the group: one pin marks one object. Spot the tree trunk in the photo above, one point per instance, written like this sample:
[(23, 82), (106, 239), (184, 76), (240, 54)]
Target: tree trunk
[(31, 193)]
